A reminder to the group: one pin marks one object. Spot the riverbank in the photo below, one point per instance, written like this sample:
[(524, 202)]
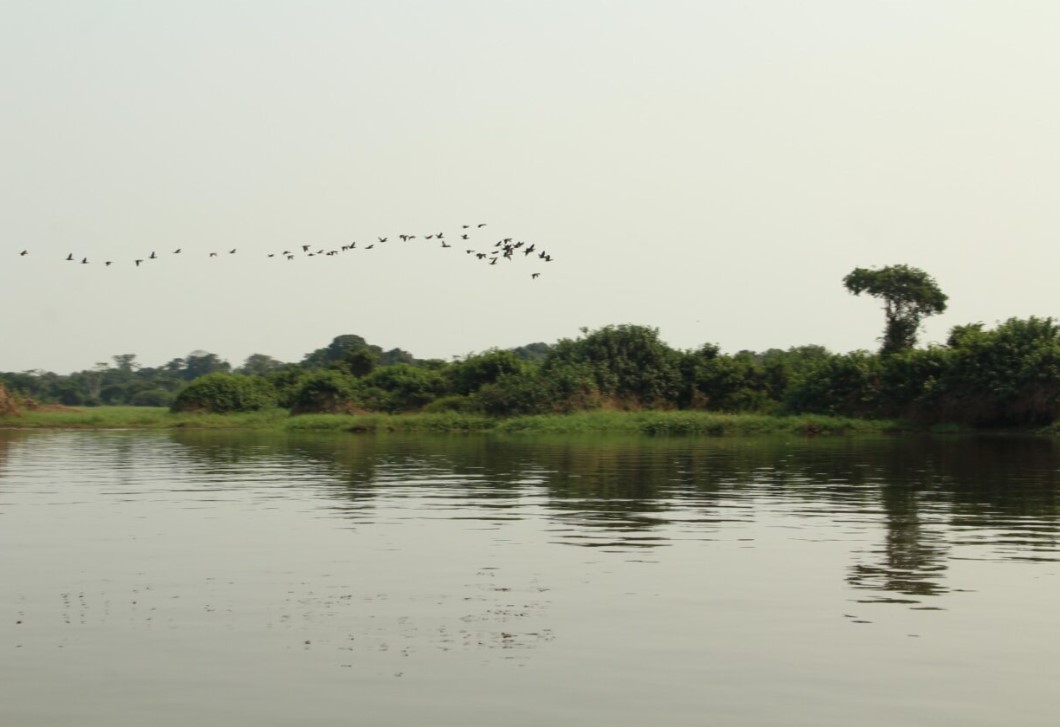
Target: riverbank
[(643, 422)]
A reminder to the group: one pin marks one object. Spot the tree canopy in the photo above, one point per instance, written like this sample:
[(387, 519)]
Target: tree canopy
[(909, 295)]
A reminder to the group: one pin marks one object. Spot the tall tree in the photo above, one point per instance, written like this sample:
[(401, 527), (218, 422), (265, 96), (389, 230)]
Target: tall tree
[(909, 295)]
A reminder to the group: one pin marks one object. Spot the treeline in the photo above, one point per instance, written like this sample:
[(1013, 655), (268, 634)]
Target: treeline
[(1007, 376)]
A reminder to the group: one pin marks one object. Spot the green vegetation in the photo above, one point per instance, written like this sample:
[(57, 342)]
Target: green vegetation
[(223, 393), (616, 378), (609, 422), (909, 295)]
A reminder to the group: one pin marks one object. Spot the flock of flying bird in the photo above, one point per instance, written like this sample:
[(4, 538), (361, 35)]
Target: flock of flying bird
[(505, 248)]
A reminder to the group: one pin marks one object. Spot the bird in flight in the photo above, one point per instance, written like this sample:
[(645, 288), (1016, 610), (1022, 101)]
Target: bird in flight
[(504, 247)]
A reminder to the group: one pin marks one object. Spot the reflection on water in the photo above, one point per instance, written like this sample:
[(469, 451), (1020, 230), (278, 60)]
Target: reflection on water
[(928, 495), (384, 554)]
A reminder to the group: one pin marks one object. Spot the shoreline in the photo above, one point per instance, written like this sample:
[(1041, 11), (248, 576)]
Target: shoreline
[(650, 423)]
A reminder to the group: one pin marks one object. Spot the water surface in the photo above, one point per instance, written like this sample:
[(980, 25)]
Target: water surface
[(249, 579)]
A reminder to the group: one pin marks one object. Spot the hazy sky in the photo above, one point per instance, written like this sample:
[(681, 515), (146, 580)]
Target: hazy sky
[(712, 168)]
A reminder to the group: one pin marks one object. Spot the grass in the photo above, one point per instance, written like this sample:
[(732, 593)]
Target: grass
[(141, 417), (659, 423)]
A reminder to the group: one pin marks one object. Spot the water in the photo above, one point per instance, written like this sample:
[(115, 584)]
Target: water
[(239, 579)]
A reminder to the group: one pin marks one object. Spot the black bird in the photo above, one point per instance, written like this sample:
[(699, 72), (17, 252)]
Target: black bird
[(70, 256), (24, 252), (465, 226), (152, 255), (481, 224), (84, 261), (305, 248), (177, 251), (445, 244), (138, 263), (382, 239), (213, 254), (369, 247), (107, 263), (534, 275), (232, 251)]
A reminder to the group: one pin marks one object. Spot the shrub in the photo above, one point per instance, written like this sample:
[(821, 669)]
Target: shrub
[(325, 391), (223, 392)]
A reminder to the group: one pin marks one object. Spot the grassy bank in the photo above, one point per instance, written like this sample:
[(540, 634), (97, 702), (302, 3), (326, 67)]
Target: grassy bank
[(644, 422)]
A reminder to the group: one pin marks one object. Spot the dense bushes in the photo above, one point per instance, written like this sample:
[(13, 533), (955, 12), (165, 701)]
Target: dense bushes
[(1006, 376), (223, 392)]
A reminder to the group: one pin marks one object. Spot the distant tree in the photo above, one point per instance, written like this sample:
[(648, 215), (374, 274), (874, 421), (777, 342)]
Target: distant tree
[(396, 356), (909, 295), (258, 364), (200, 363), (336, 351), (533, 352), (125, 362)]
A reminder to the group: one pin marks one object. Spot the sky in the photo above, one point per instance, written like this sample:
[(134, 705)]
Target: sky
[(709, 169)]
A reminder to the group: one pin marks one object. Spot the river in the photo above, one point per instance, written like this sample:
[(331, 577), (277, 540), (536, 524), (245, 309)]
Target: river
[(177, 578)]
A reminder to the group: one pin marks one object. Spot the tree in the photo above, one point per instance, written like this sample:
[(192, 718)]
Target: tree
[(909, 295), (200, 363), (258, 364)]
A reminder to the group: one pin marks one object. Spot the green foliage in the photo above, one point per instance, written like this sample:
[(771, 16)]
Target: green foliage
[(476, 371), (258, 364), (154, 397), (360, 362), (1008, 376), (628, 363), (533, 353), (454, 403), (201, 363), (519, 394), (221, 393), (324, 391), (286, 381), (843, 385), (909, 295), (724, 383), (404, 387), (336, 351)]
